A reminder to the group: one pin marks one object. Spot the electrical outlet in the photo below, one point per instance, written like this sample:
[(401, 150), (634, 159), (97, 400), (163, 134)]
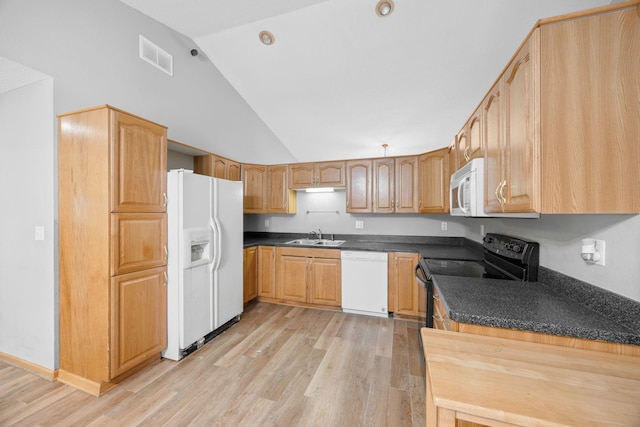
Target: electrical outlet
[(266, 223), (443, 225), (39, 233), (482, 233), (359, 224)]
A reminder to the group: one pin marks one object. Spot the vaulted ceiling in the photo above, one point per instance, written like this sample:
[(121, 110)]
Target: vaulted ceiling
[(340, 81)]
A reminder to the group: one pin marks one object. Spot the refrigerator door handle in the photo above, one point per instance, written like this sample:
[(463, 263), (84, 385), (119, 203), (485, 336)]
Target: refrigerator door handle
[(217, 243)]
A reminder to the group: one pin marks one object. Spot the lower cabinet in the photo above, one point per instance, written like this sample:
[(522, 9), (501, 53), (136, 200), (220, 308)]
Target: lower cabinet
[(310, 276), (138, 313), (406, 296), (267, 271), (250, 274)]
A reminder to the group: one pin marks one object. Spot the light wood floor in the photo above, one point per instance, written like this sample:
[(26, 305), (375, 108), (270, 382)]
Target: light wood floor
[(279, 366)]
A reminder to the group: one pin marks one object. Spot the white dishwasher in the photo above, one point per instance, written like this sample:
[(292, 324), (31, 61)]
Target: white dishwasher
[(364, 283)]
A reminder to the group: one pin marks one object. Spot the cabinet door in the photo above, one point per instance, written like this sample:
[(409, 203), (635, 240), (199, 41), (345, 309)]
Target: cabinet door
[(250, 276), (407, 289), (474, 140), (254, 178), (520, 169), (359, 186), (302, 175), (138, 163), (330, 174), (492, 127), (138, 241), (279, 198), (406, 184), (433, 181), (233, 170), (383, 185), (326, 282), (138, 318), (267, 271), (293, 277)]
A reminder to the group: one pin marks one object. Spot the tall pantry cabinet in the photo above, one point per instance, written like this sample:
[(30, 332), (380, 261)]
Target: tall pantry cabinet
[(112, 245)]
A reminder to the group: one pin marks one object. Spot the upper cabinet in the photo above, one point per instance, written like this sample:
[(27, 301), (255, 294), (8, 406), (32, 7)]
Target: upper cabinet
[(386, 185), (139, 159), (266, 189), (559, 128), (433, 181), (468, 142), (359, 185), (590, 113), (217, 167), (323, 174)]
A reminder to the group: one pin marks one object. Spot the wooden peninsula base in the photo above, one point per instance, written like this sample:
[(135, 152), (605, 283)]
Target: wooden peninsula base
[(502, 382)]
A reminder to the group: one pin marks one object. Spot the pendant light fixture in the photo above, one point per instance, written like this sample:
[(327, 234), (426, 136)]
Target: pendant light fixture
[(384, 8)]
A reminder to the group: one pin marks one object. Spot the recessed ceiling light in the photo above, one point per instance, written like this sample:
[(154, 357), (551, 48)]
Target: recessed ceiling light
[(384, 8), (266, 38)]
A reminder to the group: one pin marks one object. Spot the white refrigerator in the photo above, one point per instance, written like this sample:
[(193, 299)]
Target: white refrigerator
[(205, 271)]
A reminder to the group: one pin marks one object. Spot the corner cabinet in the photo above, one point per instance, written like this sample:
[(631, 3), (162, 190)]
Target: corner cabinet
[(266, 189), (217, 167), (112, 246)]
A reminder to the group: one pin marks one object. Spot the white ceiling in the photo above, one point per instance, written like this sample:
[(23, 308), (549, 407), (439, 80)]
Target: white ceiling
[(340, 81)]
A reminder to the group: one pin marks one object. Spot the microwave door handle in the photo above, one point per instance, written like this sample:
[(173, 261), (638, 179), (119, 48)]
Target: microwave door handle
[(461, 189)]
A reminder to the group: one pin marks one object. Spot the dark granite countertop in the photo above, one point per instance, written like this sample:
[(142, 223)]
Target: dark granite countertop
[(556, 304), (539, 307), (436, 247)]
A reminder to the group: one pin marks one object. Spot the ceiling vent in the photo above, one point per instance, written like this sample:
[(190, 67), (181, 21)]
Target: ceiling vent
[(156, 56)]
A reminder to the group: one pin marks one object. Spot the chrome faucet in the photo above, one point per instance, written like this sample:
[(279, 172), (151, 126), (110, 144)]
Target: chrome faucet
[(317, 233)]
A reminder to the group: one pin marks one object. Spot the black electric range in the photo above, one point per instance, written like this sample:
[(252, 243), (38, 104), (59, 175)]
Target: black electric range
[(504, 258)]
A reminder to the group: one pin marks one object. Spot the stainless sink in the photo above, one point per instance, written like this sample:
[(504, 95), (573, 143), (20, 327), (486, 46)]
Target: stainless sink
[(315, 242)]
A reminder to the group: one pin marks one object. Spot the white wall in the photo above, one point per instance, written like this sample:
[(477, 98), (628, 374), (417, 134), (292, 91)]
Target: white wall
[(560, 243), (90, 48), (28, 294), (322, 214)]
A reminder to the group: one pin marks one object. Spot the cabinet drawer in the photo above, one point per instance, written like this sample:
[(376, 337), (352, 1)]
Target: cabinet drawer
[(440, 319), (138, 241)]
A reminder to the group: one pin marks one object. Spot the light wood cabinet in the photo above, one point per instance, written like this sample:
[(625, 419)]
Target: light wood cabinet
[(383, 200), (138, 318), (468, 142), (395, 181), (112, 245), (359, 186), (557, 140), (254, 181), (266, 189), (322, 174), (280, 199), (433, 181), (311, 276), (217, 167), (590, 114), (509, 113), (267, 271), (250, 276), (406, 296)]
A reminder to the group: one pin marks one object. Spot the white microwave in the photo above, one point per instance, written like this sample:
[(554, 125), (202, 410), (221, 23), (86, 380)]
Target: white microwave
[(467, 190)]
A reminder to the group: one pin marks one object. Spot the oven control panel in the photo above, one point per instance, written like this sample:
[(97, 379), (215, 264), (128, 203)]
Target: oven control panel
[(511, 247)]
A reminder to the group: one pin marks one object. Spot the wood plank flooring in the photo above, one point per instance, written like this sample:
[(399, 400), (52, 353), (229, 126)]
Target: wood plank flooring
[(279, 366)]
